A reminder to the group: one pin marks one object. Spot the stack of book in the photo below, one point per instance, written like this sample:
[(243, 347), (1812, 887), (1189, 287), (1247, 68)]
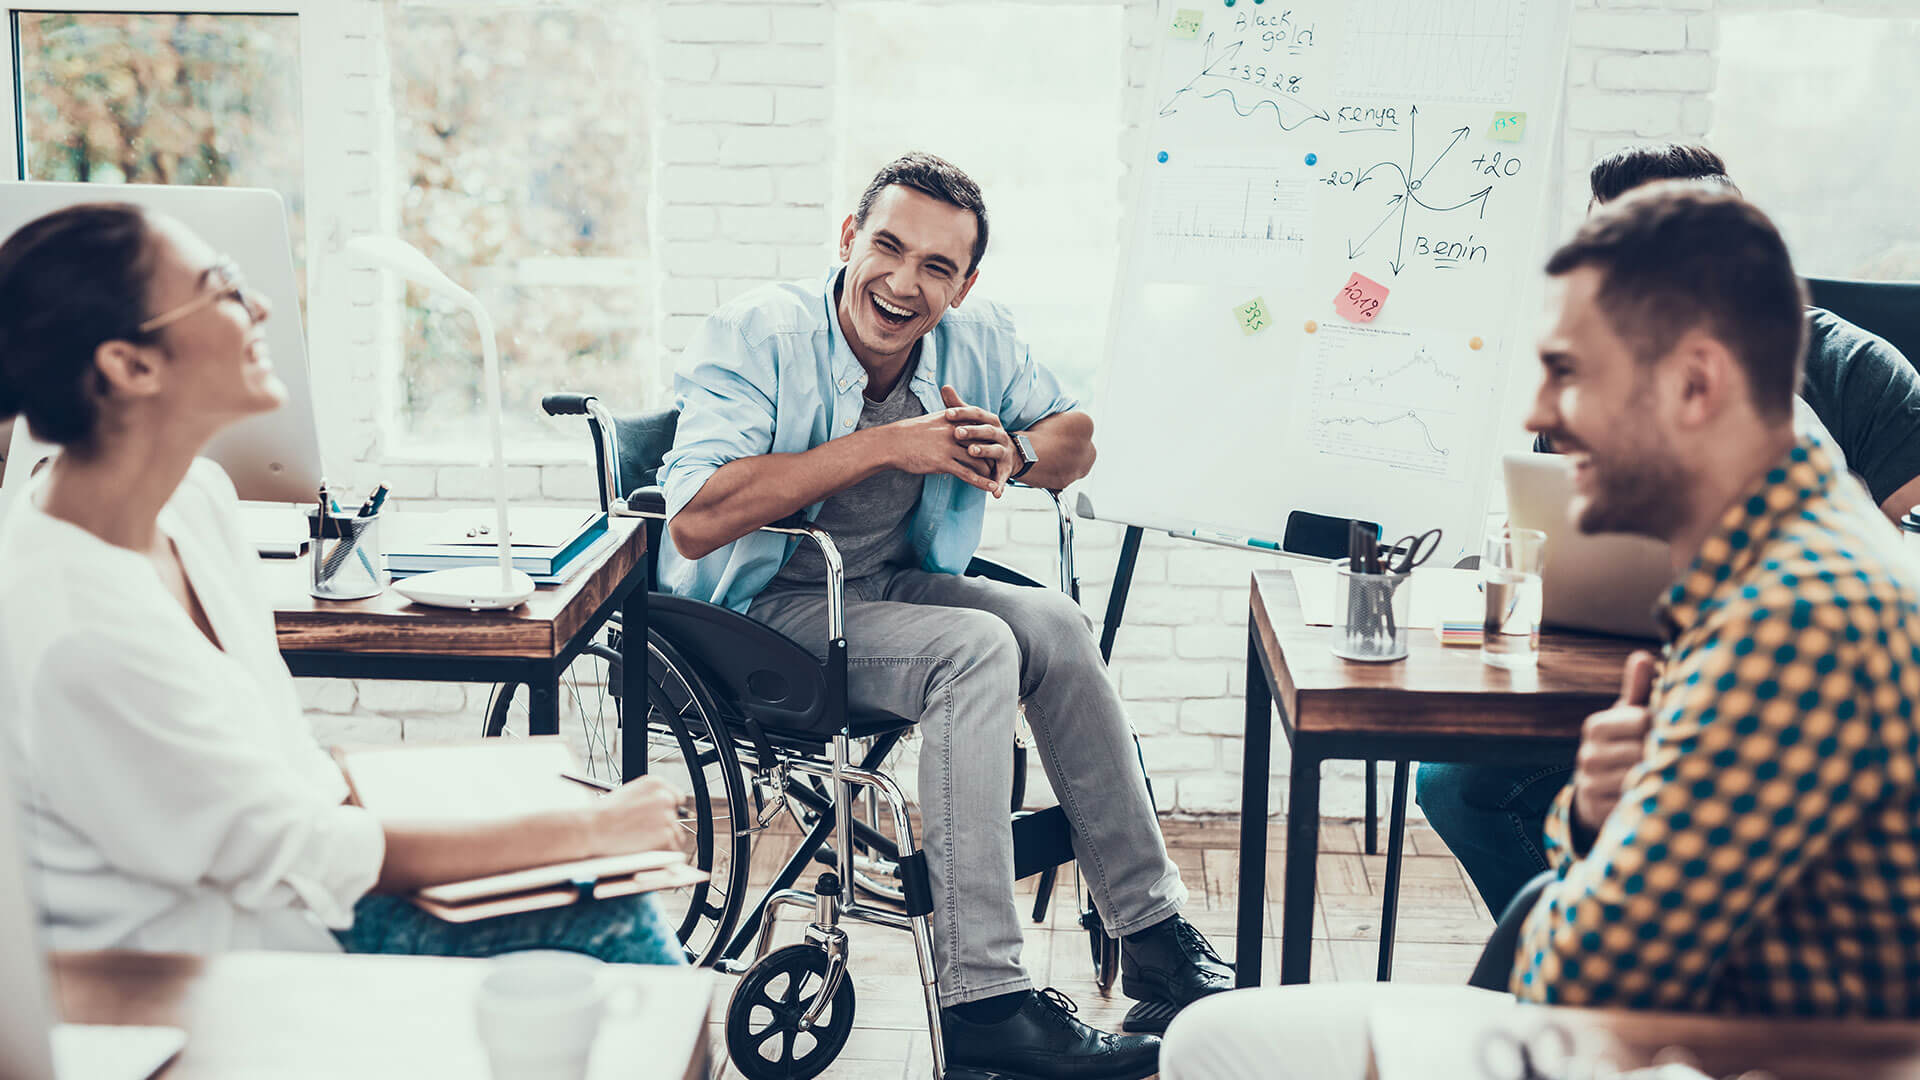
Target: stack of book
[(550, 544)]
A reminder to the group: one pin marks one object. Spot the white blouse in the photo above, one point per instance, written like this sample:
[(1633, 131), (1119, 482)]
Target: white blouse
[(173, 797)]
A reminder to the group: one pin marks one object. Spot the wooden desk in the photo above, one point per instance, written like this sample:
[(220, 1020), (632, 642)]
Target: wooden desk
[(268, 1015), (390, 637), (1406, 1044), (1439, 704)]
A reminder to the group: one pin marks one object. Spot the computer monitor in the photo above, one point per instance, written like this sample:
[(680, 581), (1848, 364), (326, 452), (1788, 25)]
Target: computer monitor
[(274, 457)]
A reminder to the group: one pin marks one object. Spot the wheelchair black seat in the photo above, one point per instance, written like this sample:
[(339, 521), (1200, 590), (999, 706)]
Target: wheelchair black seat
[(758, 673)]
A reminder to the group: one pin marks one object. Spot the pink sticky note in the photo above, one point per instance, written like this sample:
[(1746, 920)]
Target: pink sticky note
[(1360, 298)]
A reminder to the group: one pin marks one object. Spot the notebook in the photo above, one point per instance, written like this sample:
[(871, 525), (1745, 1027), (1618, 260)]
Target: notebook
[(500, 780)]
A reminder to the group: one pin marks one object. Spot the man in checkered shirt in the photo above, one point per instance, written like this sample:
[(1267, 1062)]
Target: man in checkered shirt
[(1742, 832)]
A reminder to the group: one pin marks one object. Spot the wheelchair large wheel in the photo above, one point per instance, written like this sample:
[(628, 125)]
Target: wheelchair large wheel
[(682, 749), (764, 1039)]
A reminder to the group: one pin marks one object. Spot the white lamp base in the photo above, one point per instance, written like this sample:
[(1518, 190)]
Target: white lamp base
[(473, 588)]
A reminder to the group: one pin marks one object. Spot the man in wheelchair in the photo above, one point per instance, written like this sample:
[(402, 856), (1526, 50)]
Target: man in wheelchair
[(876, 402)]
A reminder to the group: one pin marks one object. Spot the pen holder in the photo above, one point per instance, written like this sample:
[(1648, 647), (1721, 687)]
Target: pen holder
[(1370, 614), (347, 564)]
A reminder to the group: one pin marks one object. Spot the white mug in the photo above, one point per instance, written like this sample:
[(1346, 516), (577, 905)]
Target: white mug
[(539, 1012)]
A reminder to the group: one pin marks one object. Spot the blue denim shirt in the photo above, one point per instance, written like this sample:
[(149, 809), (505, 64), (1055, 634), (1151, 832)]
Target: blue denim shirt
[(771, 373)]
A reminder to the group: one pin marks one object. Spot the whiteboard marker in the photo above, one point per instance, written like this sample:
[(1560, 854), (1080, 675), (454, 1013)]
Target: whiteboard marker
[(1228, 538)]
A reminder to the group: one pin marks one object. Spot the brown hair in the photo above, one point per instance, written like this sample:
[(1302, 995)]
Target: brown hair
[(935, 177), (1680, 255), (70, 281)]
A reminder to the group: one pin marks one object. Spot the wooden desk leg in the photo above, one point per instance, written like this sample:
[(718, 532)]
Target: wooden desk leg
[(1257, 746), (633, 707), (1303, 848), (543, 707)]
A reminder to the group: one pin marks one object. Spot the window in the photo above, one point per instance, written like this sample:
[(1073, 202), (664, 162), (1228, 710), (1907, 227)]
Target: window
[(198, 99), (1805, 111), (1027, 98), (522, 143)]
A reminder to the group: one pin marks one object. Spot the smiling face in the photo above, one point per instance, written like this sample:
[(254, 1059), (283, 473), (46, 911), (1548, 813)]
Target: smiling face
[(1605, 410), (216, 366), (906, 266)]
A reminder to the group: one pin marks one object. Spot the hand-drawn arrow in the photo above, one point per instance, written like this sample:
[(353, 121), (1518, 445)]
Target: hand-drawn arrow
[(1212, 62), (1393, 205), (1394, 165), (1458, 134), (1279, 117), (1478, 196)]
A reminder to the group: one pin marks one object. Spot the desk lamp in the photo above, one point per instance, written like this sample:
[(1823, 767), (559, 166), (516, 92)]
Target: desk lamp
[(476, 588)]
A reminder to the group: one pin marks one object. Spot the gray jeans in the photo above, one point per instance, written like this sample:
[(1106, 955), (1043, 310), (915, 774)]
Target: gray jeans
[(959, 654)]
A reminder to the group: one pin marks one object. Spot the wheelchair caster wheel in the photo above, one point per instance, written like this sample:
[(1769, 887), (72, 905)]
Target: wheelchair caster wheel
[(763, 1019), (1105, 949)]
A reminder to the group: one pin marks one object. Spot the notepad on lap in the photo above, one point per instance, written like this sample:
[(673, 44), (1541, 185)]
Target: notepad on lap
[(499, 780)]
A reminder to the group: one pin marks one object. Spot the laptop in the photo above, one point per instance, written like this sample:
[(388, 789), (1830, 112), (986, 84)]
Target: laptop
[(32, 1045), (1606, 582)]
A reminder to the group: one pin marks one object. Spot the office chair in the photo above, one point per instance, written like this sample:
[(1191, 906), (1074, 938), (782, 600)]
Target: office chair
[(1890, 309)]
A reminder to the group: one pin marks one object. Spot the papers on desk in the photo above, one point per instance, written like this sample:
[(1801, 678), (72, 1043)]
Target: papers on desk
[(498, 780), (1438, 595)]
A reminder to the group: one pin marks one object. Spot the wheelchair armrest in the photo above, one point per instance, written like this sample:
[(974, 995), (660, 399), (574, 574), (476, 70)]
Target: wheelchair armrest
[(994, 571), (648, 502)]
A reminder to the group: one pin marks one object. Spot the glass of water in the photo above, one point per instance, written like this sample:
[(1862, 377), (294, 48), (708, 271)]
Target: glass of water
[(1510, 577)]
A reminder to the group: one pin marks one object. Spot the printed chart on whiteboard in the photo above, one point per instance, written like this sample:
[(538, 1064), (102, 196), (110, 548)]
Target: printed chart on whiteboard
[(1333, 256)]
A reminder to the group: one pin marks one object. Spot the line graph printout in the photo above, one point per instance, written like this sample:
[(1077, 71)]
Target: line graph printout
[(1458, 50), (1391, 397), (1217, 222)]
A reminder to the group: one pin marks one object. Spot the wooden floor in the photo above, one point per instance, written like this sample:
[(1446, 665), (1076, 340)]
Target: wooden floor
[(1442, 925)]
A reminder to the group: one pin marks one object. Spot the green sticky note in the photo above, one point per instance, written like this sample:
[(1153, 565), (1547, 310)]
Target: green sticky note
[(1252, 316), (1186, 23), (1508, 126)]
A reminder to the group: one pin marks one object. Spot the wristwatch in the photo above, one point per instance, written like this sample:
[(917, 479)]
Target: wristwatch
[(1028, 459)]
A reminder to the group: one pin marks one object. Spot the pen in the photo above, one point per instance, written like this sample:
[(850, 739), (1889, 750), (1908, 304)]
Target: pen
[(379, 497), (372, 505), (587, 781), (1214, 537)]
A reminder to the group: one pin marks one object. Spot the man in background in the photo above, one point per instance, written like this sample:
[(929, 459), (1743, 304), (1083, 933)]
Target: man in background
[(1858, 394)]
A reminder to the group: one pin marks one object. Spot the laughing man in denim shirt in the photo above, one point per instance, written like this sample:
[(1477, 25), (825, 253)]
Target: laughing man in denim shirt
[(888, 410)]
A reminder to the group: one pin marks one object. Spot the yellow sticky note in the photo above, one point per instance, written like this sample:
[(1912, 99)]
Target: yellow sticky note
[(1252, 316), (1186, 23), (1508, 126)]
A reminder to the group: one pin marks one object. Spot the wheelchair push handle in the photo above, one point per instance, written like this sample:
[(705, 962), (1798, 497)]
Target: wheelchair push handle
[(566, 404)]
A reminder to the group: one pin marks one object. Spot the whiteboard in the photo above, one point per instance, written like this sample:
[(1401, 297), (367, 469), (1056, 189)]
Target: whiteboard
[(1287, 147)]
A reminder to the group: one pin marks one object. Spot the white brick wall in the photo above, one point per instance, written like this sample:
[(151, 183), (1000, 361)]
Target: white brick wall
[(743, 193)]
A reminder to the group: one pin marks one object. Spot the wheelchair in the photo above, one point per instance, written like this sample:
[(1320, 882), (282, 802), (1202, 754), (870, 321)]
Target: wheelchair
[(752, 726)]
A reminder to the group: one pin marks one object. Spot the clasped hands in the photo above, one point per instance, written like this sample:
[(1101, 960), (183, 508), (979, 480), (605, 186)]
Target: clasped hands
[(960, 440)]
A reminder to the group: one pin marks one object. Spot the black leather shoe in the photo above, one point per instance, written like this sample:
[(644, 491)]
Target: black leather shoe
[(1172, 963), (1043, 1041)]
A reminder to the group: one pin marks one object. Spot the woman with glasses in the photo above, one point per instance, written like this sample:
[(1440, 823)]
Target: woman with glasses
[(175, 799)]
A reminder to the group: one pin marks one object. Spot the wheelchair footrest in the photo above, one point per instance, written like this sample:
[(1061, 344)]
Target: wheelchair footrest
[(1148, 1017)]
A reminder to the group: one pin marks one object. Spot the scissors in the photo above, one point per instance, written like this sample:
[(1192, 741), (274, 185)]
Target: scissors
[(1412, 551)]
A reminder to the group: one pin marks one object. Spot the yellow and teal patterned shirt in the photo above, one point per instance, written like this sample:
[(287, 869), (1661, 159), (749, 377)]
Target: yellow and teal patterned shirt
[(1765, 854)]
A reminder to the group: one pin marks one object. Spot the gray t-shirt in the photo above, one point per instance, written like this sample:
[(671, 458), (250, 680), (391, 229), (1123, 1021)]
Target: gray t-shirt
[(869, 520)]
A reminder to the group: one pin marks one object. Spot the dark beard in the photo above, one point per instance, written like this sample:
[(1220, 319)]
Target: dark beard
[(1644, 498)]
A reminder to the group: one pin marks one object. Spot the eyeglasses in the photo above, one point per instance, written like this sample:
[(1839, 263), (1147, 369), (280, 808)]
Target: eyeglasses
[(222, 281)]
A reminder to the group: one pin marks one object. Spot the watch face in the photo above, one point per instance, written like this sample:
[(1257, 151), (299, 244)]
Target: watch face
[(1025, 446)]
